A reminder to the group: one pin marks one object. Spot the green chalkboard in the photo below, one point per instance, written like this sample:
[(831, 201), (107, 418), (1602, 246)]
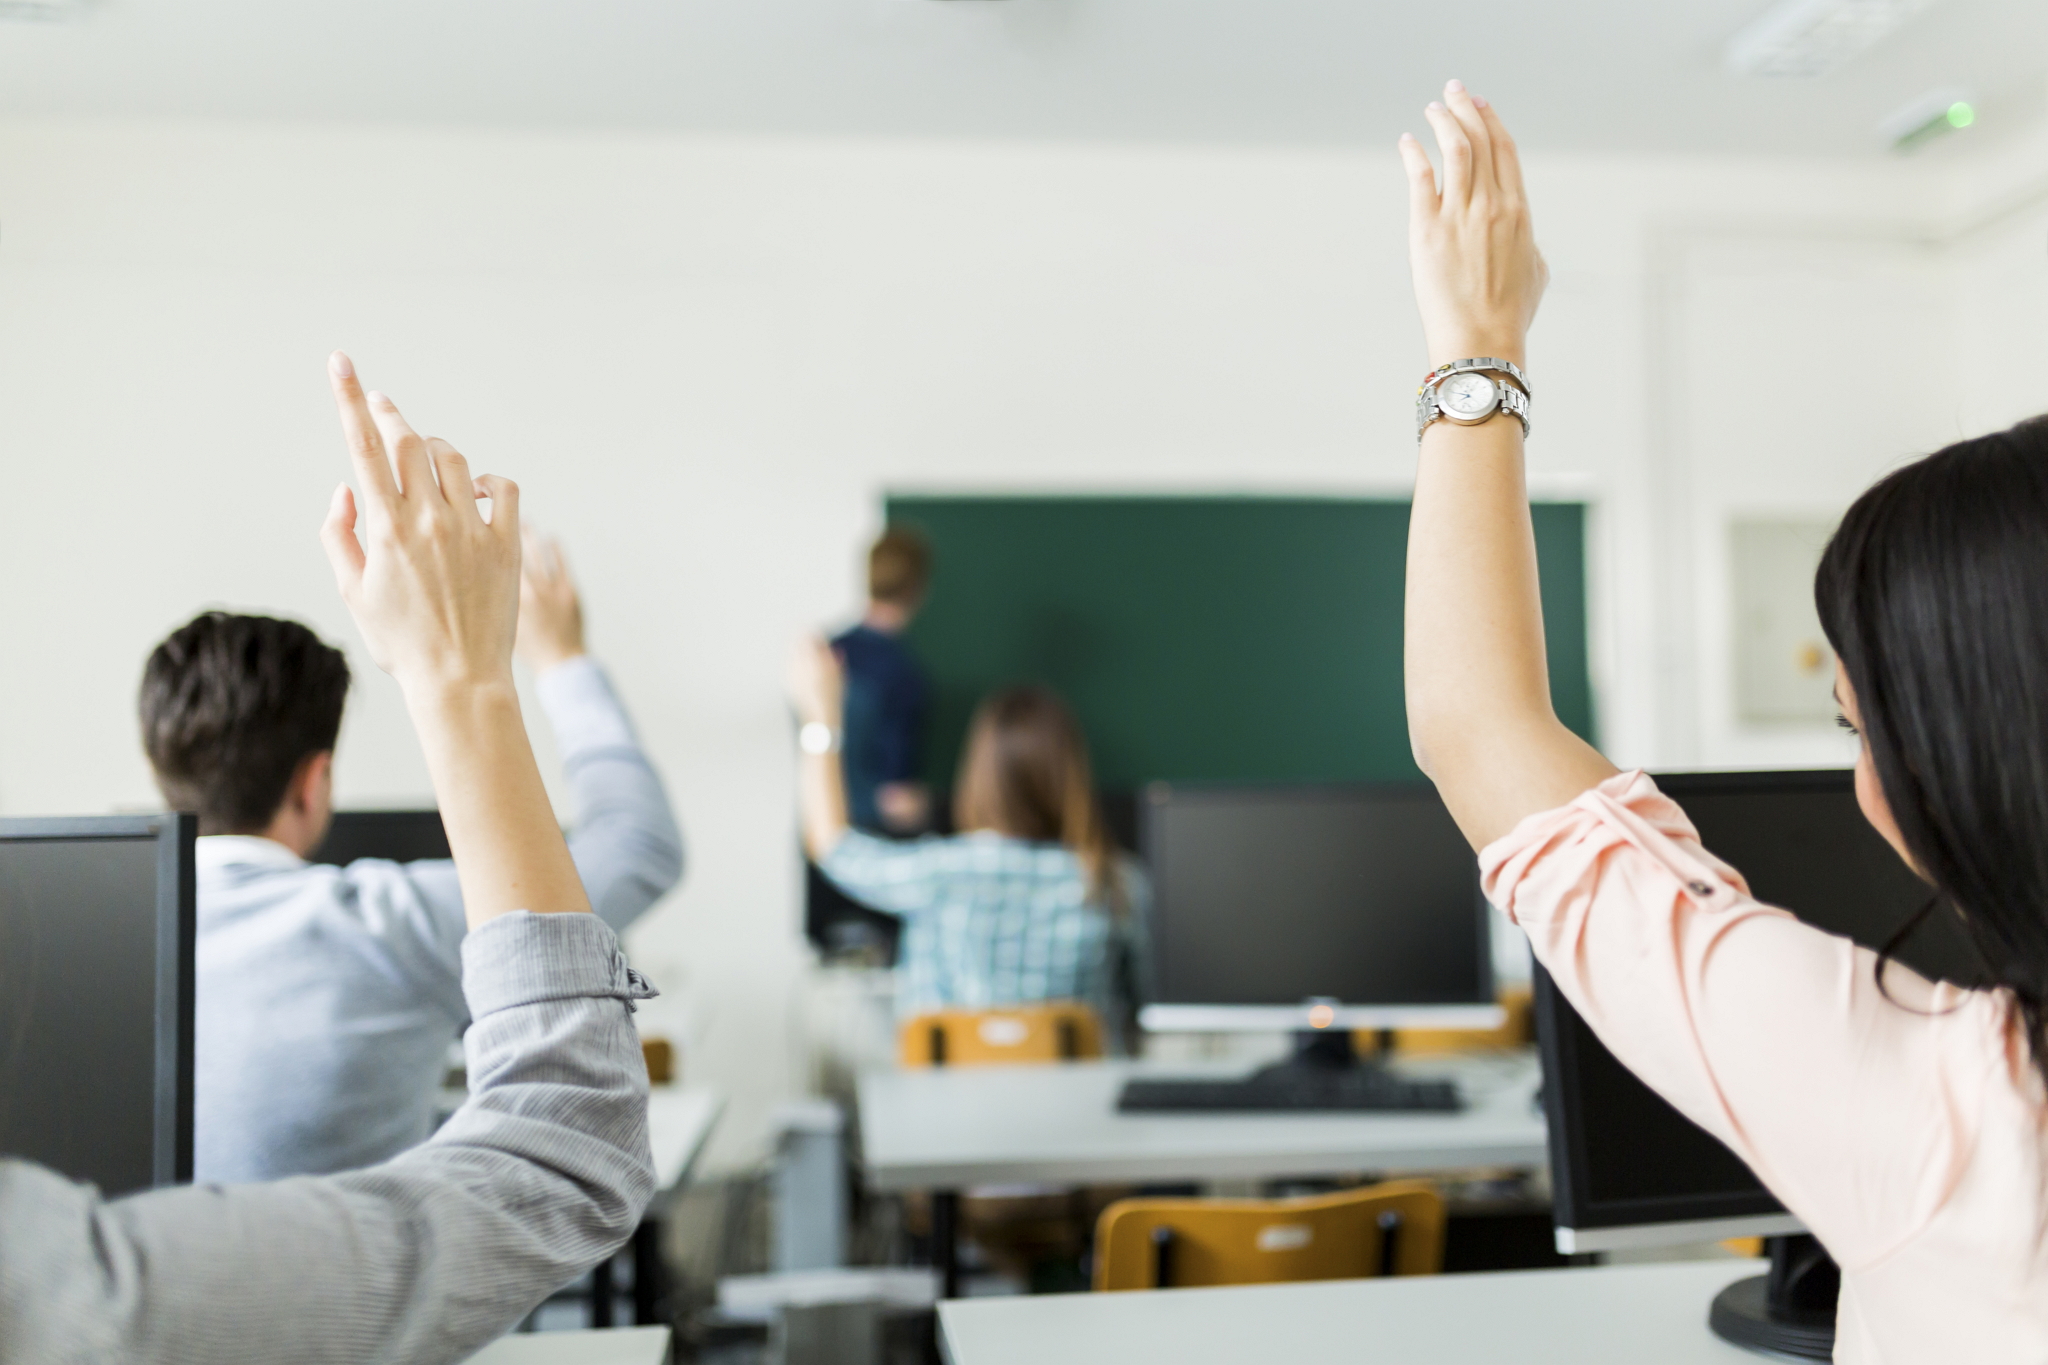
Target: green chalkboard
[(1203, 638)]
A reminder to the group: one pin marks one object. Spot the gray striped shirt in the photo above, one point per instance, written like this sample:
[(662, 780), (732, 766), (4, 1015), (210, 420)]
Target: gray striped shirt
[(424, 1258)]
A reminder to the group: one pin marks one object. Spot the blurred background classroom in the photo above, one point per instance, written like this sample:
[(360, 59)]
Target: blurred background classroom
[(1109, 301)]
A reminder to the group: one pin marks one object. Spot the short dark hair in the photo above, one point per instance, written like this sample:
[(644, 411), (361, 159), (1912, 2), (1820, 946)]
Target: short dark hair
[(1934, 593), (899, 567), (231, 706)]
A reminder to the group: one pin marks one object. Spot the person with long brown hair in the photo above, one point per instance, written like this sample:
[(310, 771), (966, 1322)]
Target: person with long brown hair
[(1029, 901)]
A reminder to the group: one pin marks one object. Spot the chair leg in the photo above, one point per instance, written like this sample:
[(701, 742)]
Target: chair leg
[(1390, 1242), (1162, 1258), (946, 1241), (650, 1275), (601, 1293)]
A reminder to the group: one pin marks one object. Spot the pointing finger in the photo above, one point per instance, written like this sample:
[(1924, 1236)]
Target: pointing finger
[(365, 445)]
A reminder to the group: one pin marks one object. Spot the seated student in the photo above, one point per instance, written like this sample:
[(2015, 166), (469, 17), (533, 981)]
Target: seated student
[(1905, 1123), (887, 693), (1029, 902), (328, 996), (543, 1171)]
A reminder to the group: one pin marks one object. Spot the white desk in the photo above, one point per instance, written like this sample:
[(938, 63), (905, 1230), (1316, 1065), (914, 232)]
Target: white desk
[(1618, 1315), (619, 1346), (950, 1128), (946, 1129), (679, 1123)]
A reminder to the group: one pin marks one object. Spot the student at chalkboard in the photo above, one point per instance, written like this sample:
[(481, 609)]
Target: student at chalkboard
[(1030, 901), (886, 692)]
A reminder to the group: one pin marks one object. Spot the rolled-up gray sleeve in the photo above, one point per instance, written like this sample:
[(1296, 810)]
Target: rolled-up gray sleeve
[(422, 1259), (627, 846)]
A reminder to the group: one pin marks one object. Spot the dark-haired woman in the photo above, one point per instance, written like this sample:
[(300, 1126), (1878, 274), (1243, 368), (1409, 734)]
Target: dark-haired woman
[(1904, 1122), (1029, 902)]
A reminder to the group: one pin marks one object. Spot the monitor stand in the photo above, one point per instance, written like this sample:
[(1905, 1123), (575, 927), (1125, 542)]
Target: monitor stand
[(1322, 1051), (1788, 1312), (1325, 1073)]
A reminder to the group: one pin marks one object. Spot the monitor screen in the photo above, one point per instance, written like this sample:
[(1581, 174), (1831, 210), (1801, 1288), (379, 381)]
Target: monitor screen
[(403, 836), (1620, 1156), (97, 930), (1365, 896)]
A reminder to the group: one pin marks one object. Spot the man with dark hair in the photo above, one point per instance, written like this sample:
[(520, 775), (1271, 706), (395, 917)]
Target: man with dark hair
[(239, 713), (327, 996), (886, 691)]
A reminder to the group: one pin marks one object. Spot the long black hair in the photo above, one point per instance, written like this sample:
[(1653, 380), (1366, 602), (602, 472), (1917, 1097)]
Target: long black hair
[(1934, 593)]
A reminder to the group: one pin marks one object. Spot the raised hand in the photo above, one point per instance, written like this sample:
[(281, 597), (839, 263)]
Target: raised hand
[(1478, 275), (550, 611), (433, 586)]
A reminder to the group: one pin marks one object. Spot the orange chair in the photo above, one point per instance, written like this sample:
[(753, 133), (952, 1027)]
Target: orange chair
[(1059, 1031), (1396, 1228)]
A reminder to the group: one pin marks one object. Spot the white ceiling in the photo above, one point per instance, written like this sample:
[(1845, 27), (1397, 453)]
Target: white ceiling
[(1573, 74)]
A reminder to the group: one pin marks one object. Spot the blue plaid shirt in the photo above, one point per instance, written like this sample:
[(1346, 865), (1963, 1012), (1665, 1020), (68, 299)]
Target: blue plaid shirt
[(990, 920)]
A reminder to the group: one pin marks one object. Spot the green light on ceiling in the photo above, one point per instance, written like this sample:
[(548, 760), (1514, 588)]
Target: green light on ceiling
[(1961, 115)]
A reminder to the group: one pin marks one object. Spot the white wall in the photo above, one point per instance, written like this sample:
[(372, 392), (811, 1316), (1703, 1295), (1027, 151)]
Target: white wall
[(705, 359)]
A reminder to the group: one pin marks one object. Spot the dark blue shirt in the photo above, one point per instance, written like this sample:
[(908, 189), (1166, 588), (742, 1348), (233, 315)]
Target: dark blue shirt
[(886, 697)]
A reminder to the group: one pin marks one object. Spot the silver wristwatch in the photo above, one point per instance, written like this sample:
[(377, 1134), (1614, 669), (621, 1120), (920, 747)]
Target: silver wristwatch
[(1467, 393)]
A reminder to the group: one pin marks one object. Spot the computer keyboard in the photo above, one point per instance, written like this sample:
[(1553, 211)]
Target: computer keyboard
[(1290, 1089)]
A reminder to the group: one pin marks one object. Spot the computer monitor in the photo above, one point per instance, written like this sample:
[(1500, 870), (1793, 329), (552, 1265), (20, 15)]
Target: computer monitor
[(844, 929), (97, 933), (1313, 908), (403, 836)]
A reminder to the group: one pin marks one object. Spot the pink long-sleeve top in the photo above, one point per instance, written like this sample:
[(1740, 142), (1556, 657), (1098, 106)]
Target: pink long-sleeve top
[(1907, 1133)]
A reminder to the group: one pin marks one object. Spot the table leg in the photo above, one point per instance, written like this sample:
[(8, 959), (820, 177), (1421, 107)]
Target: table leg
[(946, 1241), (601, 1293), (650, 1276)]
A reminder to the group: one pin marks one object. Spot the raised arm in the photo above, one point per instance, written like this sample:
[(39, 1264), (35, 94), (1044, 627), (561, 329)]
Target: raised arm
[(817, 692), (427, 1257), (1479, 711), (623, 833)]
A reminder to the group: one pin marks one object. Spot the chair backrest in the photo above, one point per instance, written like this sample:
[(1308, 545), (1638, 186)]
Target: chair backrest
[(1396, 1228), (1057, 1031)]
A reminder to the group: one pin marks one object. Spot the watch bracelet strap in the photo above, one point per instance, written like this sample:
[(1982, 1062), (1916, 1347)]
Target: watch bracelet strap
[(1486, 363)]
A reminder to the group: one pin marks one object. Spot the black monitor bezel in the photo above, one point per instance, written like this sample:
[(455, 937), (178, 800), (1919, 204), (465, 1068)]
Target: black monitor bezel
[(362, 826), (175, 834), (1570, 1174), (1156, 794)]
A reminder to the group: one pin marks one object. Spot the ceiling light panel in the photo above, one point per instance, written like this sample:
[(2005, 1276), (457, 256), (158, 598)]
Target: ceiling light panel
[(1806, 38)]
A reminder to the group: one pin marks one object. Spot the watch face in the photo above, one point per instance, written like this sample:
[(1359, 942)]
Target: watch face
[(1466, 395)]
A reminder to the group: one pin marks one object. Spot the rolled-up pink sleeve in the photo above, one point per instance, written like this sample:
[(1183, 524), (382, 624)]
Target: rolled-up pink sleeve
[(1857, 1111)]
